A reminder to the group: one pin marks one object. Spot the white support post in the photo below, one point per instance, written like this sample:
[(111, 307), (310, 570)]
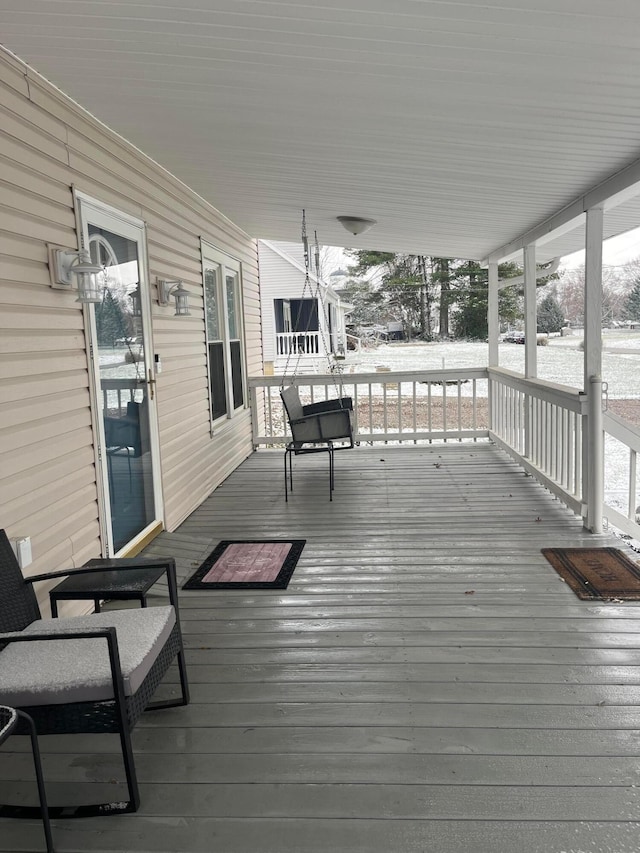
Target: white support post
[(530, 314), (493, 316), (595, 477), (593, 456), (593, 295), (530, 337)]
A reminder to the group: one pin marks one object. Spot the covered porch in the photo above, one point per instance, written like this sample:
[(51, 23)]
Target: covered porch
[(425, 682)]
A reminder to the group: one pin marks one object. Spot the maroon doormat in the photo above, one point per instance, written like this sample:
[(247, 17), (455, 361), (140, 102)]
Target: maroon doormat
[(248, 564), (597, 573)]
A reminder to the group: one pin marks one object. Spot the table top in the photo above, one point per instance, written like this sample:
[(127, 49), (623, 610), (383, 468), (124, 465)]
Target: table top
[(109, 583)]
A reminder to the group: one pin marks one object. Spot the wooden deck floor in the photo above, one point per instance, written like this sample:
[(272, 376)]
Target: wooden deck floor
[(426, 682)]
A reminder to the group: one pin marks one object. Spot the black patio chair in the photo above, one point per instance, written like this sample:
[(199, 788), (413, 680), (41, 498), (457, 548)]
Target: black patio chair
[(85, 674), (320, 427)]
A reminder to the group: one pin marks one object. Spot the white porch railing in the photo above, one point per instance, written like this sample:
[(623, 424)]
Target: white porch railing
[(622, 445), (541, 426), (298, 343), (116, 393), (414, 406)]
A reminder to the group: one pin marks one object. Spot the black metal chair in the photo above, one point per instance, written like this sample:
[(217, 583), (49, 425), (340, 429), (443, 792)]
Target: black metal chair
[(86, 674), (322, 427)]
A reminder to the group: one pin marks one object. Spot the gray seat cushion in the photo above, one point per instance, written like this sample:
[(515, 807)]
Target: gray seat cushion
[(43, 673)]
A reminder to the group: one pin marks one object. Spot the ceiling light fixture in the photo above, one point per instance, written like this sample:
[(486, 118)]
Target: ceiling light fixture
[(355, 224)]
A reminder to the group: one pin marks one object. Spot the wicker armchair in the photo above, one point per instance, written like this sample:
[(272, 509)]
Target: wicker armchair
[(85, 674), (325, 426)]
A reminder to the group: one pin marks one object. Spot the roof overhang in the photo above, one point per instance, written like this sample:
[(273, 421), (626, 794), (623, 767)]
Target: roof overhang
[(465, 129)]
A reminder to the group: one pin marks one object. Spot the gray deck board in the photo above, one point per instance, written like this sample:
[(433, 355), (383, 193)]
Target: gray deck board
[(426, 682)]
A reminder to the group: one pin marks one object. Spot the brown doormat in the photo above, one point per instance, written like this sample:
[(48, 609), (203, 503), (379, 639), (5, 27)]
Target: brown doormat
[(600, 573)]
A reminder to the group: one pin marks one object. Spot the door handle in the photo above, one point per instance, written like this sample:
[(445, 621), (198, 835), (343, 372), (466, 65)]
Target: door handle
[(151, 382)]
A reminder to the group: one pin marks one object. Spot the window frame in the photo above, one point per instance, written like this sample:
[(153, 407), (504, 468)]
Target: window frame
[(225, 266)]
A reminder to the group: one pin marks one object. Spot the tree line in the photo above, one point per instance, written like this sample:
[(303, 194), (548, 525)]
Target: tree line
[(448, 298)]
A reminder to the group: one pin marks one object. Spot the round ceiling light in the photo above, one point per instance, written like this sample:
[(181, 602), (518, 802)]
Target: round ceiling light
[(355, 224)]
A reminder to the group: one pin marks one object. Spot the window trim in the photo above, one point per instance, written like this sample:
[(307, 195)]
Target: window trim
[(225, 264)]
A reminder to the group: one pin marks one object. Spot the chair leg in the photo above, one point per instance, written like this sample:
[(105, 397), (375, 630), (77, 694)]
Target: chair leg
[(130, 772), (286, 493), (184, 688), (331, 470), (288, 485), (42, 796), (184, 683)]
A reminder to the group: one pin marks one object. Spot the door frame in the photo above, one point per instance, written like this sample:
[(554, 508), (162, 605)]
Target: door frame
[(90, 209)]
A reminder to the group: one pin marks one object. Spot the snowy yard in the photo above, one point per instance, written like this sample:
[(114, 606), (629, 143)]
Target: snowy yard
[(561, 361)]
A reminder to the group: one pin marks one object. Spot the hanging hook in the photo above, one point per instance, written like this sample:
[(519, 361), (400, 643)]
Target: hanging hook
[(317, 254)]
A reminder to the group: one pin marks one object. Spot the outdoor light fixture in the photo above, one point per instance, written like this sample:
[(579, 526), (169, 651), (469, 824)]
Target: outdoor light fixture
[(64, 264), (355, 224), (167, 289)]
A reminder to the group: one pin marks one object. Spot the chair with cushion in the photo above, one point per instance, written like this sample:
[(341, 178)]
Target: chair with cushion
[(86, 674), (325, 426)]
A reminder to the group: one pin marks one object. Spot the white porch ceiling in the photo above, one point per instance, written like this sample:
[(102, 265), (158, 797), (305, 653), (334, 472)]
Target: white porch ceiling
[(456, 125)]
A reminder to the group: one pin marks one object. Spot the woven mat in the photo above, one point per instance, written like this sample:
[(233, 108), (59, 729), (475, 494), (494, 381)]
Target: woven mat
[(597, 573), (248, 564)]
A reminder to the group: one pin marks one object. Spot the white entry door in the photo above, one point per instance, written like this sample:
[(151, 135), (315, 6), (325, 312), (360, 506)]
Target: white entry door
[(123, 377)]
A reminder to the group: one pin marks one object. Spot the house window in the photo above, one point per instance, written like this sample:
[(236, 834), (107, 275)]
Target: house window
[(296, 315), (224, 333)]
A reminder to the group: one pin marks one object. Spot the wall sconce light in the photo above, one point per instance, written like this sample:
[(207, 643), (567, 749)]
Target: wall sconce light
[(355, 224), (64, 264), (167, 289)]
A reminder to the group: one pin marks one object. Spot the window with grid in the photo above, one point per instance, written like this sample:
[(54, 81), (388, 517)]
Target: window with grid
[(224, 333)]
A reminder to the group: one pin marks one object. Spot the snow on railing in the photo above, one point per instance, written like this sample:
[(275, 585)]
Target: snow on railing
[(540, 424), (389, 407)]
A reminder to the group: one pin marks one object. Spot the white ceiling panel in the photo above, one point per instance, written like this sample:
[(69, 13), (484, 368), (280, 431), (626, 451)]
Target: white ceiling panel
[(456, 125)]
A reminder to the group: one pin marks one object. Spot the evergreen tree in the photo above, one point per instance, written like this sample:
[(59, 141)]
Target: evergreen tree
[(632, 305), (470, 318), (368, 303), (550, 316), (110, 320), (402, 287)]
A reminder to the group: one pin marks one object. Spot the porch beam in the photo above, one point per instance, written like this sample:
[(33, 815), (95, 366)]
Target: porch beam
[(493, 315), (612, 192), (594, 445)]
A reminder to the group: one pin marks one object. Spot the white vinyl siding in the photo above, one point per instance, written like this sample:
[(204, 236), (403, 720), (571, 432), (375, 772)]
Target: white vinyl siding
[(47, 474)]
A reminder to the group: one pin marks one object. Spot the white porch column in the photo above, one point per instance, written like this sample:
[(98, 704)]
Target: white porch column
[(593, 437), (493, 315), (530, 313)]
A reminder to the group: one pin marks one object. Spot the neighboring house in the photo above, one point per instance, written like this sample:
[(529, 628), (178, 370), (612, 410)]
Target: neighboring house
[(301, 325), (94, 396)]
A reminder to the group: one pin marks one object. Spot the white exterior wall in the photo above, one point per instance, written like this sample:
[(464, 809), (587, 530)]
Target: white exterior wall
[(48, 490), (282, 279)]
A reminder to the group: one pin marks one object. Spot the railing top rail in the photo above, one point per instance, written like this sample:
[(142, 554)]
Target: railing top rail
[(449, 375), (553, 392), (622, 430)]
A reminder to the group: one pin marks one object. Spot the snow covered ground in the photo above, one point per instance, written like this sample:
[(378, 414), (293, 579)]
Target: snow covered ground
[(560, 361)]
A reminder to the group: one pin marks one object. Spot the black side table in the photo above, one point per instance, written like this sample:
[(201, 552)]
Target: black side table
[(110, 584)]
